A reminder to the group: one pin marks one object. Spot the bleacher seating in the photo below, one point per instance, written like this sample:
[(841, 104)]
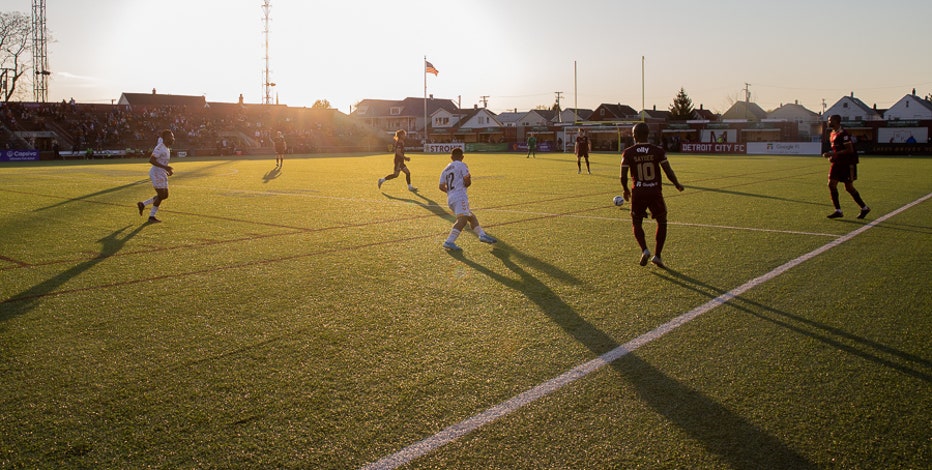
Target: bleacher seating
[(214, 129)]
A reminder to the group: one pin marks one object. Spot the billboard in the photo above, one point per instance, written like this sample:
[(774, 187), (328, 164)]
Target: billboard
[(19, 155)]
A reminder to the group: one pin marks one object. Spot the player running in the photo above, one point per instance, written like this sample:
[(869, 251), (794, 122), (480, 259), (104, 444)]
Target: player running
[(454, 180), (159, 174), (644, 160), (400, 160)]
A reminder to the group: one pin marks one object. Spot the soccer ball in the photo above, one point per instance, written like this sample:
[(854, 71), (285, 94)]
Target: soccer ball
[(618, 200)]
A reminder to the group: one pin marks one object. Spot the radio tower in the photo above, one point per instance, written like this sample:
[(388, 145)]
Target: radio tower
[(267, 84), (40, 52)]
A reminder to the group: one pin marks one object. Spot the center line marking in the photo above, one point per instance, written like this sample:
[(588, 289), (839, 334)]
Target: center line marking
[(458, 430)]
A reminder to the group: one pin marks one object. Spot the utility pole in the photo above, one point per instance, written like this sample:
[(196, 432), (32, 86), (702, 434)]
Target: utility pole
[(485, 100), (747, 99), (559, 109)]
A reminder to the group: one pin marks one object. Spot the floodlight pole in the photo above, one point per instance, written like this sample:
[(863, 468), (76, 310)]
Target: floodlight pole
[(267, 83)]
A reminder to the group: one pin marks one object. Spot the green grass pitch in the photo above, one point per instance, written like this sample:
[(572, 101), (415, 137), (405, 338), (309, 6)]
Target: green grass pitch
[(303, 318)]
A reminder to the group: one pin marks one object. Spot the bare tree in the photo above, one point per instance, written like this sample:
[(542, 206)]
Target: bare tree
[(15, 35)]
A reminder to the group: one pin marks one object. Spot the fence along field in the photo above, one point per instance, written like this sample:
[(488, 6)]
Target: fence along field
[(307, 319)]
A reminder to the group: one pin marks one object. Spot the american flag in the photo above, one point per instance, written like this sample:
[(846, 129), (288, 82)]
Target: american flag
[(429, 68)]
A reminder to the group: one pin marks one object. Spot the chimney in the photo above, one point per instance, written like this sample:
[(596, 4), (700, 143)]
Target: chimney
[(153, 91), (852, 94)]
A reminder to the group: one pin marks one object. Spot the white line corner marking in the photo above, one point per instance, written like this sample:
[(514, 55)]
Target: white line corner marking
[(455, 431)]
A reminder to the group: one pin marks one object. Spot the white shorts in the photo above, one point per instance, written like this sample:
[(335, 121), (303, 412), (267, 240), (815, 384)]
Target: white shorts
[(159, 177), (460, 206)]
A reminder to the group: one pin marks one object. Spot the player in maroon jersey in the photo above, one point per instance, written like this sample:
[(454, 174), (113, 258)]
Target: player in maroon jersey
[(644, 160), (582, 151), (844, 167)]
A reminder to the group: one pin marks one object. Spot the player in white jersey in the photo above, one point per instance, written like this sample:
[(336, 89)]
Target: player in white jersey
[(454, 180), (159, 174)]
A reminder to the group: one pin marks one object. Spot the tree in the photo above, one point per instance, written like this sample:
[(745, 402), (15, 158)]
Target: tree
[(15, 35), (321, 104), (682, 107)]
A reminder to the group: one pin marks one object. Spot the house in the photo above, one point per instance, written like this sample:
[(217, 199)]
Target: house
[(537, 118), (703, 114), (852, 109), (479, 125), (614, 112), (654, 114), (744, 110), (408, 114), (510, 119), (809, 123), (572, 115), (910, 107)]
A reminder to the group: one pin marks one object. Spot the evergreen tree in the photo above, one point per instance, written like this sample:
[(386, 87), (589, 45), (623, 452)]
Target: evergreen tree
[(682, 107)]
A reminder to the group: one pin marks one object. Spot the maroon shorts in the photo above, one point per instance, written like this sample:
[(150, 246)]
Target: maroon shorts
[(643, 201)]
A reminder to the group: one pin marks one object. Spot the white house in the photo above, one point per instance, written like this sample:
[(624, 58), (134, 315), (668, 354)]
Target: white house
[(510, 119), (852, 109), (909, 107), (808, 122)]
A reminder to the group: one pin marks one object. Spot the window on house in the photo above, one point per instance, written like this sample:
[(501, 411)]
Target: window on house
[(395, 111)]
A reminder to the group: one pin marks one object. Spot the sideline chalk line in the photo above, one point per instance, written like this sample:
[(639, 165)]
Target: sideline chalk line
[(455, 431)]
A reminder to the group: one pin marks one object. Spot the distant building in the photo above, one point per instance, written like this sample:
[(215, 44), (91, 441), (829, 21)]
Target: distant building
[(808, 122), (744, 110), (408, 114), (909, 107), (614, 112), (852, 109)]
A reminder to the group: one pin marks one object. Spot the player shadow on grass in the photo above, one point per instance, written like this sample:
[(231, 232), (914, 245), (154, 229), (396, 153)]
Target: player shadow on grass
[(272, 174), (427, 203), (719, 430), (26, 300), (93, 195), (761, 196), (837, 338)]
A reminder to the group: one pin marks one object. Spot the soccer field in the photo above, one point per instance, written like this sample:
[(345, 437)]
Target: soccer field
[(304, 318)]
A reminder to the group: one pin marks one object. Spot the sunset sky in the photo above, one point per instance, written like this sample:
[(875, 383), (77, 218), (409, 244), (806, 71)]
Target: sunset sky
[(518, 53)]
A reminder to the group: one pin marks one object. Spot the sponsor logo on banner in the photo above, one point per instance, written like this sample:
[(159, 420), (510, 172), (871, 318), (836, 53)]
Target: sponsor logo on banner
[(444, 148), (713, 148), (18, 155), (784, 148)]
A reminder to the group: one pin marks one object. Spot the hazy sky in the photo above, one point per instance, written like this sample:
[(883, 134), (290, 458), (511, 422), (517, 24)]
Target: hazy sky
[(518, 53)]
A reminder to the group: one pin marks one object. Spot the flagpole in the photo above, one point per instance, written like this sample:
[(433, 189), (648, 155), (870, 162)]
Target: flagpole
[(575, 96), (424, 69)]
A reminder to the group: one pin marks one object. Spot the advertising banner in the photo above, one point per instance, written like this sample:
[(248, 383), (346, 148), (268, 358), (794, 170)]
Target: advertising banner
[(19, 155), (700, 147), (784, 148), (444, 148)]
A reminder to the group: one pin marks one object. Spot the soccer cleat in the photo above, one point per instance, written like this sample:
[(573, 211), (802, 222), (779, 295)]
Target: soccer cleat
[(485, 238), (864, 211), (381, 180), (451, 246), (645, 256), (589, 172), (141, 207), (411, 188), (835, 215), (578, 172), (657, 262), (153, 220)]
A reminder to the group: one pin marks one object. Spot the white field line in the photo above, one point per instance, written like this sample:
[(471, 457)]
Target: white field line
[(455, 431)]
